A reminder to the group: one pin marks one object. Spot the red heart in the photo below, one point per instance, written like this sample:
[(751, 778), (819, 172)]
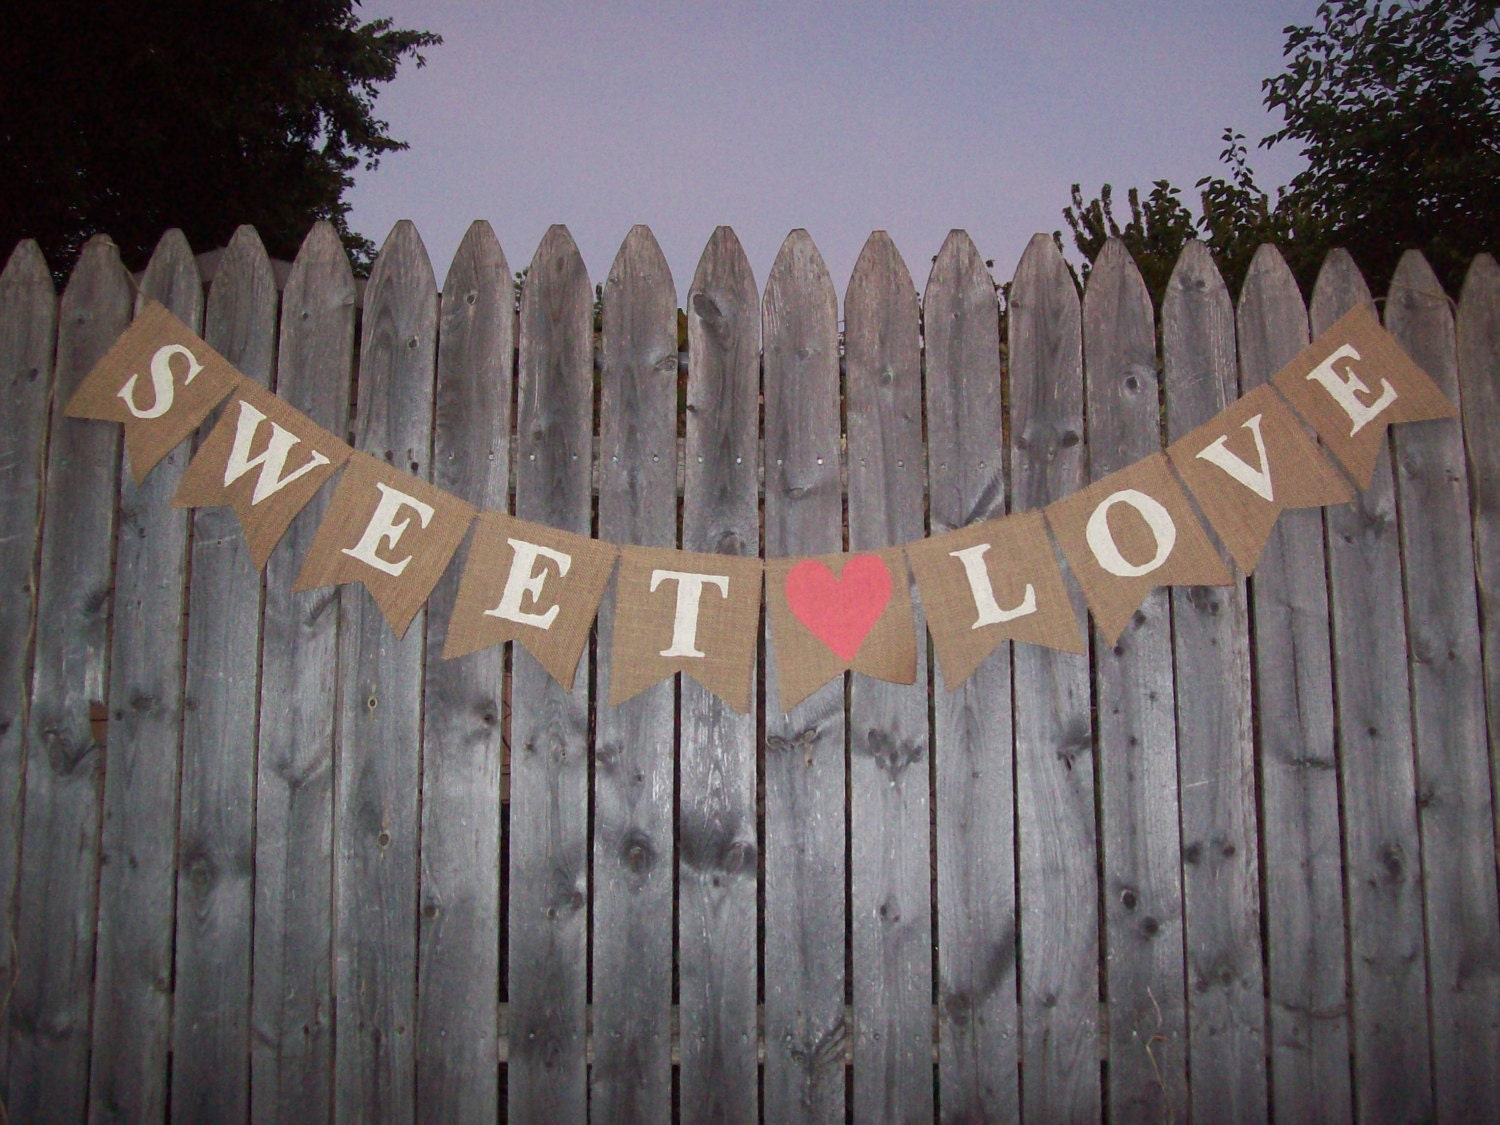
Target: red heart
[(841, 611)]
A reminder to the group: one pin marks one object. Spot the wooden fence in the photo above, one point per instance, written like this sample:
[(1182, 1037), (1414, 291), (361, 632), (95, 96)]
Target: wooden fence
[(254, 853)]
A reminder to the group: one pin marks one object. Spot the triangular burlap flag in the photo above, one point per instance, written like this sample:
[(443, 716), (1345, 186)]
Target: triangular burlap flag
[(840, 612), (160, 380), (988, 583), (1250, 463), (390, 531), (1129, 533), (533, 584), (1352, 382), (683, 611), (264, 459)]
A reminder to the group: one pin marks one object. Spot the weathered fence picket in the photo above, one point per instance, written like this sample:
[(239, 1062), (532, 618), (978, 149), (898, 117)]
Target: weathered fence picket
[(1306, 975), (634, 748), (805, 794), (216, 821), (1056, 824), (458, 953), (1383, 860), (254, 849), (973, 793)]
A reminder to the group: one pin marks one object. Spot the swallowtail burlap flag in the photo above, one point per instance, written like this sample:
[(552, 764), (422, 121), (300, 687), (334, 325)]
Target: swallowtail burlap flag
[(1129, 533), (838, 612), (1247, 465), (683, 611), (160, 380), (264, 459), (988, 583), (1352, 382), (390, 531), (533, 584)]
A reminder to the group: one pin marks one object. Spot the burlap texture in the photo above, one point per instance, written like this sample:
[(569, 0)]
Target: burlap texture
[(1383, 386), (548, 611), (419, 551), (284, 488), (649, 644), (1018, 595), (838, 612), (1113, 550), (1241, 484), (147, 352)]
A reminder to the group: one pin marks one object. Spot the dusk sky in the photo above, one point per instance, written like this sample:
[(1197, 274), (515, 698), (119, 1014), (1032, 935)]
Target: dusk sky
[(841, 117)]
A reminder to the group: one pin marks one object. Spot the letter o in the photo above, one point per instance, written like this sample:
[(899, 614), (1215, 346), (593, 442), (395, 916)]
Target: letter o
[(1102, 542)]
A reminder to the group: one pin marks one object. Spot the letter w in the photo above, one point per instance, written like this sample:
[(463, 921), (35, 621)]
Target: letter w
[(272, 460)]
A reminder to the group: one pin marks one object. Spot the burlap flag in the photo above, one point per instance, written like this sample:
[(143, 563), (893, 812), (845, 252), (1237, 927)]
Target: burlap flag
[(1352, 382), (1247, 465), (680, 611), (533, 584), (264, 459), (160, 380), (988, 583), (390, 531), (839, 612), (1129, 533)]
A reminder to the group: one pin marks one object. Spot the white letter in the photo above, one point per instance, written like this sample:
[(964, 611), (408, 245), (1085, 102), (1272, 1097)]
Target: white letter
[(689, 593), (524, 579), (272, 461), (989, 609), (1102, 542), (1258, 482), (1343, 385), (383, 526), (161, 381)]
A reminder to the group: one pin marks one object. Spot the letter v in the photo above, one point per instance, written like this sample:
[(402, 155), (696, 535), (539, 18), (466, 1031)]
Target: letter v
[(1257, 481), (271, 461)]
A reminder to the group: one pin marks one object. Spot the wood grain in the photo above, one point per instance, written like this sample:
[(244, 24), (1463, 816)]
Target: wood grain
[(50, 1008), (1382, 852), (216, 819), (137, 876), (458, 950), (1304, 900), (804, 756), (978, 1044), (28, 335), (1137, 737), (889, 742), (549, 778), (378, 755), (634, 763), (292, 1023), (1058, 884), (718, 865), (1454, 802), (1215, 741)]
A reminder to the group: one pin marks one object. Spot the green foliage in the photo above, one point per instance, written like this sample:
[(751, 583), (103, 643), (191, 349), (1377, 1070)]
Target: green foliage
[(129, 118), (1397, 110)]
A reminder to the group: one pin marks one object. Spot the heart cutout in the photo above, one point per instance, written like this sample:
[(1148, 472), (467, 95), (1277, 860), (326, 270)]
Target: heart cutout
[(840, 611)]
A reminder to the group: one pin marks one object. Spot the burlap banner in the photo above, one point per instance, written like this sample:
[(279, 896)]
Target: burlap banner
[(531, 584), (160, 380), (681, 611), (989, 583), (839, 612), (391, 532), (266, 461), (676, 611), (1127, 534), (1352, 382)]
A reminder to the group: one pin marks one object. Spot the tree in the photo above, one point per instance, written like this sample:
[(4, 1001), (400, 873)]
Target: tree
[(1397, 110), (132, 118)]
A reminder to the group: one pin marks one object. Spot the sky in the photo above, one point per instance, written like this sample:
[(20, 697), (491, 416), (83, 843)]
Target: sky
[(840, 117)]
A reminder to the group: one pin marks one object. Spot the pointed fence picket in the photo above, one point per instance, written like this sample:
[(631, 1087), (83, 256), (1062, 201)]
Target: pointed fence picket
[(255, 850)]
